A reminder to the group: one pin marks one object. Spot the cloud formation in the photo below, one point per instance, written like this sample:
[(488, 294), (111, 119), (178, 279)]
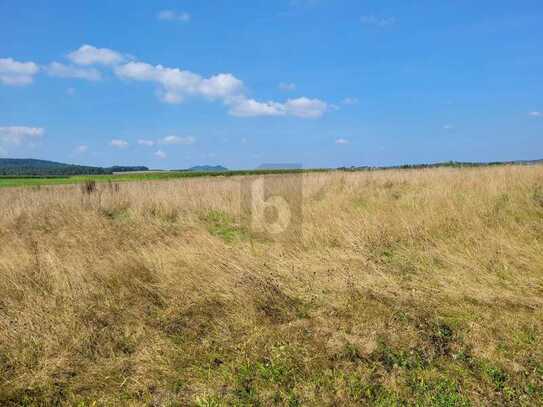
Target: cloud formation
[(178, 140), (69, 71), (176, 84), (342, 141), (15, 73), (287, 87), (306, 108), (536, 114), (244, 107), (350, 101), (170, 15), (20, 134), (161, 155), (118, 143), (147, 143), (301, 107), (90, 55), (81, 149)]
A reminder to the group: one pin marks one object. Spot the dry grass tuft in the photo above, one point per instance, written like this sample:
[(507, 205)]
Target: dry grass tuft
[(415, 287)]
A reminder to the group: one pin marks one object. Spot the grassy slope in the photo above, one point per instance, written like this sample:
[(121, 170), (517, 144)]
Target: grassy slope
[(406, 287)]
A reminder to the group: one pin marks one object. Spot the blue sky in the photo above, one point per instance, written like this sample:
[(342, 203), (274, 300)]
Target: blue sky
[(325, 83)]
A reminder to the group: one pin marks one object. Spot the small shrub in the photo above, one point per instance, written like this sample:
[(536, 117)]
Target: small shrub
[(496, 376)]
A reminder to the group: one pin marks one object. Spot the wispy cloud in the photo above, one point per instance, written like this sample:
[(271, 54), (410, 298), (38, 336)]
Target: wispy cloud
[(69, 71), (350, 101), (15, 73), (175, 85), (170, 15), (90, 55), (342, 141), (287, 87), (161, 155), (305, 107), (375, 21), (118, 143), (20, 134), (178, 140), (81, 149), (301, 107), (536, 114), (148, 143)]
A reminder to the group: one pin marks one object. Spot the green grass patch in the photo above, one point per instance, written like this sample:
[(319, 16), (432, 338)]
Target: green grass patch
[(223, 225), (26, 181)]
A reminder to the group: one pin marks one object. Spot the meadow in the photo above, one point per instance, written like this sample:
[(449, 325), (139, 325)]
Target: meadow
[(401, 287), (38, 181)]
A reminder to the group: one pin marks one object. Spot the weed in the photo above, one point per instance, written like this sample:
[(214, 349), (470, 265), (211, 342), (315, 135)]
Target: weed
[(222, 225)]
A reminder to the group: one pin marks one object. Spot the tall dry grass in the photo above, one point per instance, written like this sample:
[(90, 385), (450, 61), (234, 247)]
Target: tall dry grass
[(419, 286)]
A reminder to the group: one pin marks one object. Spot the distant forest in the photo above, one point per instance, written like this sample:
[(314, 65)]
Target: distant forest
[(455, 164), (41, 168)]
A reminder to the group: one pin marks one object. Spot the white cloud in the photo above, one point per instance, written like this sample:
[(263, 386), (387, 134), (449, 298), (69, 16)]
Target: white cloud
[(89, 55), (170, 15), (250, 108), (17, 73), (20, 134), (342, 141), (81, 149), (448, 127), (178, 140), (302, 107), (536, 114), (350, 101), (148, 143), (70, 71), (305, 107), (287, 87), (375, 21), (176, 84), (117, 143), (221, 86), (160, 155)]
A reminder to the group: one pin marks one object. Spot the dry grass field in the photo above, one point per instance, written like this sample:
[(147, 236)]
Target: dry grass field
[(402, 287)]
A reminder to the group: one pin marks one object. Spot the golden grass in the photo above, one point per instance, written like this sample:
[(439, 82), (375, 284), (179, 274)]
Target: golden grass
[(418, 286)]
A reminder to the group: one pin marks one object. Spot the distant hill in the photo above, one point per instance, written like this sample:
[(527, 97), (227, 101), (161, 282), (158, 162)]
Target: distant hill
[(31, 167)]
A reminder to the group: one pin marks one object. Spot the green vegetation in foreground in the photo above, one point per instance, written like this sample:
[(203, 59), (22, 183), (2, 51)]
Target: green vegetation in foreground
[(140, 176)]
